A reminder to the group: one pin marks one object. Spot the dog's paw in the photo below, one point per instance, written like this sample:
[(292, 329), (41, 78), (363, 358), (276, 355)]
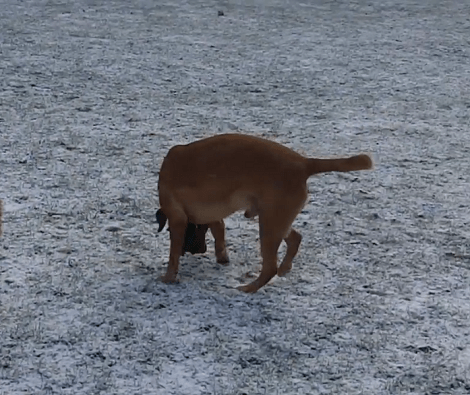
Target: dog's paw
[(250, 288), (282, 271), (169, 279), (223, 260)]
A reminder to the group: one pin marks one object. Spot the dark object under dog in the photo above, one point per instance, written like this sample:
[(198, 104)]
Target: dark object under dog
[(194, 237)]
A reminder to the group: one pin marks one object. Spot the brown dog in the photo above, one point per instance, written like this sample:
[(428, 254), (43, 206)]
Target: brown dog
[(206, 181)]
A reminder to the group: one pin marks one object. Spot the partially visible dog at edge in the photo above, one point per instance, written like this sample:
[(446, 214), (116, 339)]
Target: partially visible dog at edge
[(203, 182), (1, 218)]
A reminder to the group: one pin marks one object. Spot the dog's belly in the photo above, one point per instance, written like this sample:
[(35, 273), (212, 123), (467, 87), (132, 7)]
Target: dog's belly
[(211, 208), (205, 214)]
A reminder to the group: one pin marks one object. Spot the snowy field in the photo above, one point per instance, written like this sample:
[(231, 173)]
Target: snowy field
[(94, 93)]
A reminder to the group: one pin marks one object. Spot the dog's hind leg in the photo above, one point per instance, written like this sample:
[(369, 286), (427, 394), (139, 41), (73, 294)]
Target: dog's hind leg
[(177, 224), (218, 231), (293, 242), (269, 246), (274, 226)]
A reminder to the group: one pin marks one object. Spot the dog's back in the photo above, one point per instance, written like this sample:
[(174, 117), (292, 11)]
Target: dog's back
[(243, 160), (240, 161)]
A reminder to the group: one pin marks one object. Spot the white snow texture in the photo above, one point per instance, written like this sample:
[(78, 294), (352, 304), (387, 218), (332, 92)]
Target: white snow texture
[(94, 93)]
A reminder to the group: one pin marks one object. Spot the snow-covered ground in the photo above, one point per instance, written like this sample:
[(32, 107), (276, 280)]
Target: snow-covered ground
[(92, 95)]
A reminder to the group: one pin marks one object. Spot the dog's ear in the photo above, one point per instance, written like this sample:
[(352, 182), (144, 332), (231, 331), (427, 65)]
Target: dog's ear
[(161, 219), (189, 236), (199, 244), (195, 239)]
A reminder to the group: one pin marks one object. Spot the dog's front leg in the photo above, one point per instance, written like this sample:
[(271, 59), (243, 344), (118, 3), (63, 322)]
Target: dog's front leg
[(218, 231), (177, 232)]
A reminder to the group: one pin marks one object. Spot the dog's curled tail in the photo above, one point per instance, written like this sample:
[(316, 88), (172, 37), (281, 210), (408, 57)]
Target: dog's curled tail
[(356, 162), (161, 219)]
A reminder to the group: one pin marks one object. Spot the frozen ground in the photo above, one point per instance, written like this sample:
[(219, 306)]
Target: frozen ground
[(92, 96)]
